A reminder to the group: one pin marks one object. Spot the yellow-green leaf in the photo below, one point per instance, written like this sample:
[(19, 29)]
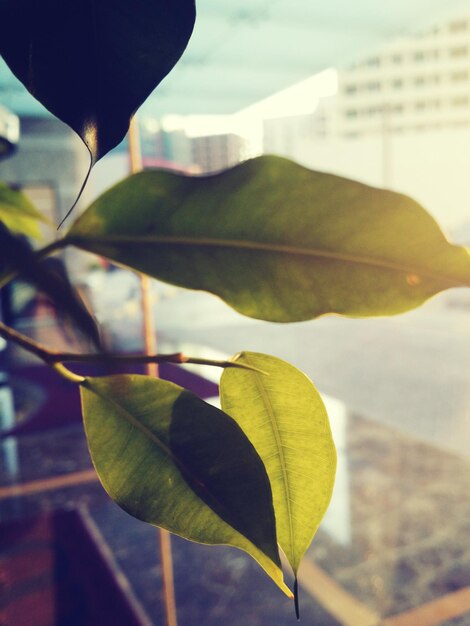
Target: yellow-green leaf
[(276, 241), (171, 459), (283, 415), (18, 214)]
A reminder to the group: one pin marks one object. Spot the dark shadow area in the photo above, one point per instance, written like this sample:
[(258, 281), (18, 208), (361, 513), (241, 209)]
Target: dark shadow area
[(222, 467), (57, 574)]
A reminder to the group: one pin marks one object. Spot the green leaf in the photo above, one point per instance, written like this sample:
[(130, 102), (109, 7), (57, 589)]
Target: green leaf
[(170, 459), (17, 259), (276, 241), (93, 63), (283, 416), (18, 214)]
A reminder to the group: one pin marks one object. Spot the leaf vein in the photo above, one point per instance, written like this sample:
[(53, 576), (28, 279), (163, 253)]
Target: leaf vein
[(259, 246), (269, 408)]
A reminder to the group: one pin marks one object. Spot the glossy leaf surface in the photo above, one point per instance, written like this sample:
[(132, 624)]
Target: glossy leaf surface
[(170, 459), (283, 415), (18, 214), (277, 241), (93, 62)]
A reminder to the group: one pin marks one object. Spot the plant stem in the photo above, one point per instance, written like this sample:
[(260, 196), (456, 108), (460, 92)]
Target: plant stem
[(135, 359), (67, 374), (58, 244), (10, 334), (52, 357)]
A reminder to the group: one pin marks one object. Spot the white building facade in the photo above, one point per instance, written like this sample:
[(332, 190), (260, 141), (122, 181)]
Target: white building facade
[(400, 119), (418, 84)]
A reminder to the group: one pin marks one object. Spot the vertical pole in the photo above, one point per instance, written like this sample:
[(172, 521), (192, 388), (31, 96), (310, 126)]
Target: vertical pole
[(150, 342)]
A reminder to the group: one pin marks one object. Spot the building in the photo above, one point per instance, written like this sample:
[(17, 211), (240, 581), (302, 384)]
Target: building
[(176, 148), (167, 146), (213, 153), (418, 83), (400, 119)]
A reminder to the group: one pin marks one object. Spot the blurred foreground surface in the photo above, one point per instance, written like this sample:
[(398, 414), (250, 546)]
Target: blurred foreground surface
[(396, 537), (393, 548)]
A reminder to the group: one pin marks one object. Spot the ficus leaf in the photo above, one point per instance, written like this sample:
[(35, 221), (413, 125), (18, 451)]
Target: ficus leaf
[(17, 258), (92, 63), (276, 241), (18, 214), (283, 416), (170, 459)]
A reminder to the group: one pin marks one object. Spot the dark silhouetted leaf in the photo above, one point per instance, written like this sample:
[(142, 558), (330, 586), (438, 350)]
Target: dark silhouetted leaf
[(18, 213), (171, 459), (93, 62), (49, 276), (283, 416), (276, 241)]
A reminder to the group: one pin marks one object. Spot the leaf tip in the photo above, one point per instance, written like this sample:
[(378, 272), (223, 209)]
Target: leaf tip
[(85, 181), (296, 599)]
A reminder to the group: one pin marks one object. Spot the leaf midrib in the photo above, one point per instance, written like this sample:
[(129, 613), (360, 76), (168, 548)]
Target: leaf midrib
[(135, 422), (82, 241), (277, 436), (166, 450)]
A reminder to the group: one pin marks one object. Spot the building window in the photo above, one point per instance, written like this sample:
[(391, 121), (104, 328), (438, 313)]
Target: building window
[(351, 113), (458, 26), (373, 86), (459, 76), (397, 59), (459, 51), (397, 83), (350, 89), (419, 56), (461, 101)]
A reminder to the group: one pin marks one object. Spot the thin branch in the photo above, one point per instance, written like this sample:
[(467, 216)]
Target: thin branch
[(177, 358), (58, 244), (67, 374), (10, 334), (52, 357)]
